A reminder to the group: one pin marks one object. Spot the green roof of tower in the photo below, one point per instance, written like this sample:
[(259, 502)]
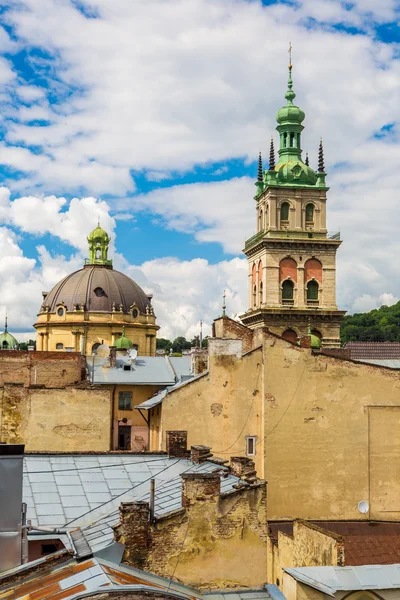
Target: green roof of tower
[(98, 247), (7, 341)]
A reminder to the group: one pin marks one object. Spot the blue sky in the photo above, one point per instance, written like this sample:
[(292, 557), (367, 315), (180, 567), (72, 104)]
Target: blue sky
[(151, 115)]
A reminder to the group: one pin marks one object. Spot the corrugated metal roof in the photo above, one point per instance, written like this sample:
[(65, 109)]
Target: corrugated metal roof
[(350, 579), (146, 370), (256, 594), (86, 490)]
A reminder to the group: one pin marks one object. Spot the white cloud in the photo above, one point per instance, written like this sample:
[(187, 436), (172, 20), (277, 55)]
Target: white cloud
[(365, 303)]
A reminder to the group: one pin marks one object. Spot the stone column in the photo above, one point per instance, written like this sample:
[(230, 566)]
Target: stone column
[(300, 287)]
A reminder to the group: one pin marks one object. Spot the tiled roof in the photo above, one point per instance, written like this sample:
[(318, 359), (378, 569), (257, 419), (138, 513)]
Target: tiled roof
[(374, 350), (86, 490), (365, 543)]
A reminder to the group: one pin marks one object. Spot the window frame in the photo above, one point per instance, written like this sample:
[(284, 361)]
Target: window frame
[(59, 346), (310, 206), (285, 206), (125, 400), (315, 286), (251, 440)]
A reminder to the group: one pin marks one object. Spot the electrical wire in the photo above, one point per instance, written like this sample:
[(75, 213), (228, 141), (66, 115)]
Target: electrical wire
[(121, 494), (96, 466)]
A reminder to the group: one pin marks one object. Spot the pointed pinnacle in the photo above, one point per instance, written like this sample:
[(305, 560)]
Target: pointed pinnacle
[(260, 169), (272, 156), (321, 165)]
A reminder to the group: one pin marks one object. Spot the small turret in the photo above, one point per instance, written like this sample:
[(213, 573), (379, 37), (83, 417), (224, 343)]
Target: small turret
[(98, 247)]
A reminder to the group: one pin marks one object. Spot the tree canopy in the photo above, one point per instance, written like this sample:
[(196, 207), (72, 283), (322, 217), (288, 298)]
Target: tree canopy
[(379, 325)]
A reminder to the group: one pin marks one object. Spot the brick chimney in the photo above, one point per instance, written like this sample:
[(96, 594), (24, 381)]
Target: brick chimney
[(199, 360), (133, 531), (176, 443), (199, 454), (243, 467), (200, 487)]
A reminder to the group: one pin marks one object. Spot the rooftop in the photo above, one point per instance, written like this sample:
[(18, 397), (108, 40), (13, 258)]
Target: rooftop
[(374, 350), (144, 370)]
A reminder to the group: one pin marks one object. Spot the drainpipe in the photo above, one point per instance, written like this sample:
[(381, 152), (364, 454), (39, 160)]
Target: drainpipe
[(24, 536), (112, 416), (152, 498)]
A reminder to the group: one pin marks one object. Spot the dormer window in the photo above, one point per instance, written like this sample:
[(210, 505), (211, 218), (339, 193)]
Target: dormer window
[(99, 292), (60, 312)]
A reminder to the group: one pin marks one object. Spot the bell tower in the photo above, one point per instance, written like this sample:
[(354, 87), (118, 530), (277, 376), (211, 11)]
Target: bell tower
[(292, 257)]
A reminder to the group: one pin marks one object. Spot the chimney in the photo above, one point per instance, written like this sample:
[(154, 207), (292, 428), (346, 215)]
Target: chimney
[(133, 531), (113, 357), (199, 360), (177, 444), (200, 487), (244, 468), (11, 467), (199, 454)]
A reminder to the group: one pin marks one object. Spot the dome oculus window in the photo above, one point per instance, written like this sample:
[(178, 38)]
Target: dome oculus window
[(60, 312), (99, 292), (135, 313)]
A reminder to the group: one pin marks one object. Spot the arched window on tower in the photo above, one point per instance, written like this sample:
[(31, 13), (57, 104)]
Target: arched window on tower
[(254, 296), (260, 220), (285, 140), (288, 292), (285, 211), (312, 291), (310, 213), (292, 139), (260, 292)]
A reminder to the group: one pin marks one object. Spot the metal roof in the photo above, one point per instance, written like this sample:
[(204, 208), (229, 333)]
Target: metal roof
[(333, 579), (159, 396), (145, 370), (69, 491), (383, 362)]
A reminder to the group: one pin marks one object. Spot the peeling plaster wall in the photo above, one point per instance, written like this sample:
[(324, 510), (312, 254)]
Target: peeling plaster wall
[(219, 409), (206, 546), (51, 369), (67, 419)]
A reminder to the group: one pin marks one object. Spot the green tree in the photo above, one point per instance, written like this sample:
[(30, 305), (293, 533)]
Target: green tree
[(163, 344), (180, 343)]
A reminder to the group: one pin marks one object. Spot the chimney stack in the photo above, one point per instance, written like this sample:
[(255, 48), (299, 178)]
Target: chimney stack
[(176, 443), (200, 487), (199, 454)]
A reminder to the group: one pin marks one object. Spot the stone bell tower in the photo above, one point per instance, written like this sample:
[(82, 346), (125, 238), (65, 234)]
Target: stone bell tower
[(292, 258)]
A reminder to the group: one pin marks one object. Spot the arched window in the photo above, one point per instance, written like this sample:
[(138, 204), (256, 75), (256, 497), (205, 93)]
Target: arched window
[(288, 290), (260, 292), (98, 253), (5, 345), (260, 221), (285, 211), (292, 139), (285, 139), (310, 213), (59, 346), (312, 290), (254, 296)]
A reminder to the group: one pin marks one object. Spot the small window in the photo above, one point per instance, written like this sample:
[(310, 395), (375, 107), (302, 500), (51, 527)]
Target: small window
[(127, 367), (287, 290), (59, 346), (135, 313), (125, 401), (5, 345), (255, 296), (60, 312), (312, 290), (285, 211), (98, 253), (99, 292), (261, 292), (310, 213), (251, 445)]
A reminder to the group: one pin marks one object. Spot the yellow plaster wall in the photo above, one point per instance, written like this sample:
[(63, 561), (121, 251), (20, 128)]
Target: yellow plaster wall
[(314, 547), (64, 420), (320, 436), (220, 408)]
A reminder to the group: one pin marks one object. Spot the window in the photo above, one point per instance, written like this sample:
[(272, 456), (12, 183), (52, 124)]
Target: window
[(4, 345), (60, 312), (98, 253), (127, 367), (124, 437), (59, 346), (261, 292), (255, 296), (291, 139), (99, 292), (125, 401), (310, 213), (285, 211), (287, 290), (135, 313), (94, 347), (251, 445), (260, 221), (312, 290)]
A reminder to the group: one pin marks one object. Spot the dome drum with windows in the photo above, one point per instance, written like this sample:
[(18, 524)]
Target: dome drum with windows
[(94, 305)]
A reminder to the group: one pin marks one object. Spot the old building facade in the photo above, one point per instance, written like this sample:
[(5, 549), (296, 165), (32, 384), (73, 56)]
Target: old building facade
[(292, 258)]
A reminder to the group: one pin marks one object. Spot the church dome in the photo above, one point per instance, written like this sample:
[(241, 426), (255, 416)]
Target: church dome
[(96, 288), (8, 341), (123, 342)]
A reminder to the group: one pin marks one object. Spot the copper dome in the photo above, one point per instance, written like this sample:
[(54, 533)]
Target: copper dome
[(97, 289)]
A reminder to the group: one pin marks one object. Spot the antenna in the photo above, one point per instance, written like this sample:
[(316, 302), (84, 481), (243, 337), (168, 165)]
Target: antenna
[(201, 334), (290, 55)]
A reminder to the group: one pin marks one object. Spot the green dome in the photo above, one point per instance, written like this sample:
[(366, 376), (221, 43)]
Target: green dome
[(98, 233), (315, 342), (290, 114), (123, 342), (8, 341), (291, 169)]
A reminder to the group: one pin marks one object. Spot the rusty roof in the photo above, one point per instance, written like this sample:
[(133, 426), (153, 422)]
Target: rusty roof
[(365, 542)]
